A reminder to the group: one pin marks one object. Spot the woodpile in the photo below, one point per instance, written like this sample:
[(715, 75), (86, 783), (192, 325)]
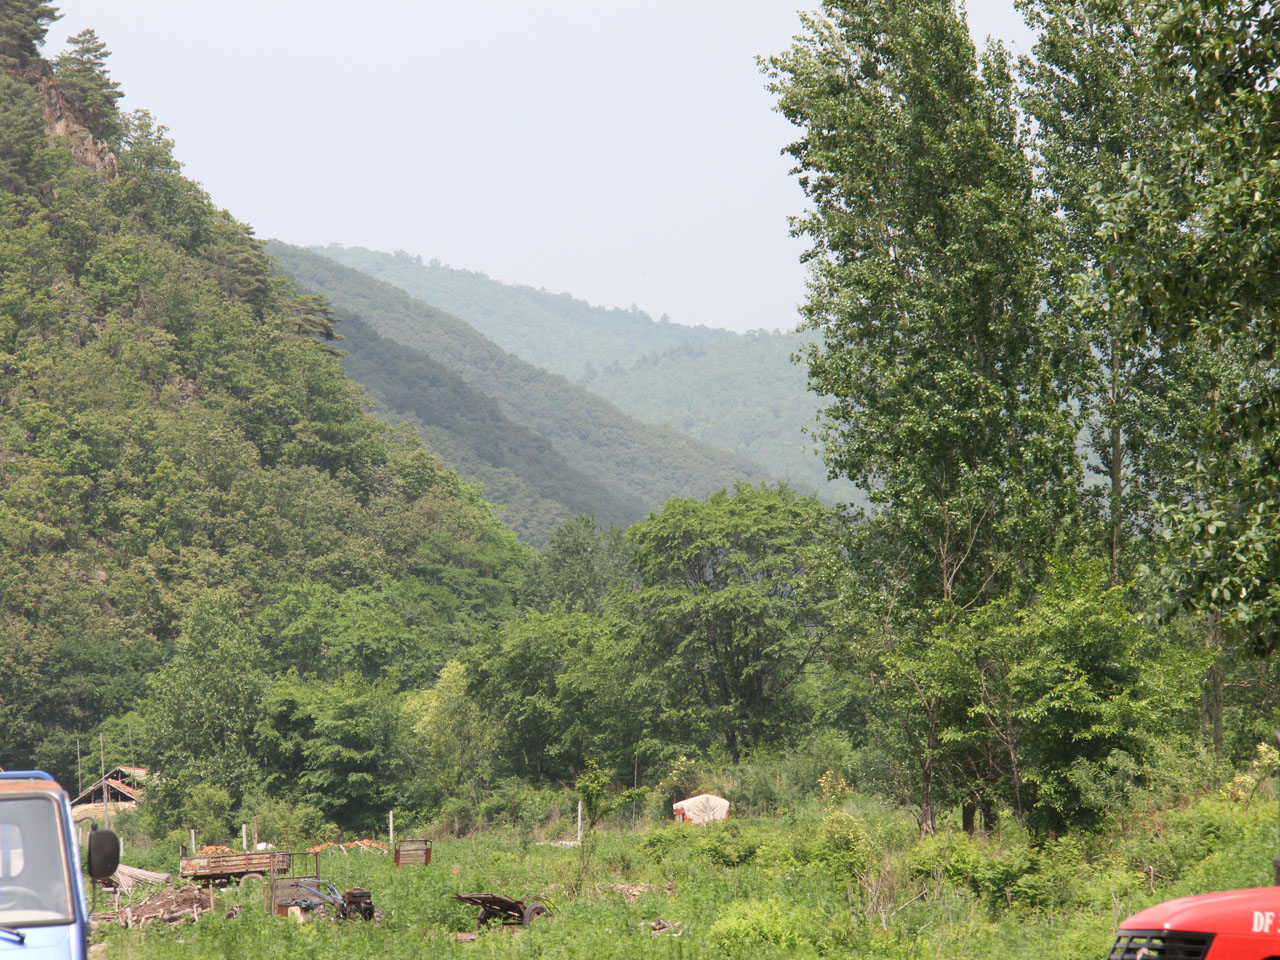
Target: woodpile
[(659, 928), (125, 879), (169, 905)]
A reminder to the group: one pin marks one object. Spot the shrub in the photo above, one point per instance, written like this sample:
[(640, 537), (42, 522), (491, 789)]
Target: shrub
[(727, 844), (1167, 843), (1004, 876), (207, 808), (1262, 767), (287, 824), (844, 845), (746, 925), (456, 816), (683, 780), (783, 850)]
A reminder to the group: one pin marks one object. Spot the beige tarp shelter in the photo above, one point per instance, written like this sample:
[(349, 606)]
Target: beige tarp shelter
[(702, 808)]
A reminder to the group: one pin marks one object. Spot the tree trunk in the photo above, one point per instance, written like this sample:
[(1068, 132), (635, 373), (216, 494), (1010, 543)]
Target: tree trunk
[(1212, 696), (989, 815), (1117, 463), (928, 820), (928, 817)]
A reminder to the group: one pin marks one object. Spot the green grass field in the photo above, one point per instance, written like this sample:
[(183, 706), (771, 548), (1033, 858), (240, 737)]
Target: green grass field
[(854, 883)]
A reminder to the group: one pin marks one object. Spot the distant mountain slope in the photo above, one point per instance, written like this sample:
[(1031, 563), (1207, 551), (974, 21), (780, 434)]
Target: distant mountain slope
[(740, 393), (520, 469), (638, 463), (554, 331)]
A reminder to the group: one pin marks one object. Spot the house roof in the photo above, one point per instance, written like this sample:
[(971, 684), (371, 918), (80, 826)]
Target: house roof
[(114, 786)]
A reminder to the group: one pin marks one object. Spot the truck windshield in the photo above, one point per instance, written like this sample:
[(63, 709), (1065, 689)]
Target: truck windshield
[(35, 888)]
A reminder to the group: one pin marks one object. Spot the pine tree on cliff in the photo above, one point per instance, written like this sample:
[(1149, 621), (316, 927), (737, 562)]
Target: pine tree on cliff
[(313, 316), (82, 78), (23, 24), (23, 147)]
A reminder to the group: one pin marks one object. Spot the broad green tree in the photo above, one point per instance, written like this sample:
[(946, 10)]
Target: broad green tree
[(568, 688), (454, 737), (579, 567), (1062, 682), (723, 614), (333, 745), (197, 722)]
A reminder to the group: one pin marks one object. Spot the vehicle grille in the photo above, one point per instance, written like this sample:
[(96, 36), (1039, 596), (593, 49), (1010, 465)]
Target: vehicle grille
[(1160, 945)]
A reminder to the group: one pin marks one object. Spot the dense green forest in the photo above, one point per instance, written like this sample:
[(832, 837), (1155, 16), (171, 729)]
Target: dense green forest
[(738, 392), (198, 520), (1033, 681), (640, 465)]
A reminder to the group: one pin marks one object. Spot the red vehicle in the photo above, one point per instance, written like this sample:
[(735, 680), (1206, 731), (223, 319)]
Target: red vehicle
[(1232, 925)]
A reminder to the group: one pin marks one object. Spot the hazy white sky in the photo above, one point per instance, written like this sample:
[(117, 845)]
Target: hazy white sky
[(625, 153)]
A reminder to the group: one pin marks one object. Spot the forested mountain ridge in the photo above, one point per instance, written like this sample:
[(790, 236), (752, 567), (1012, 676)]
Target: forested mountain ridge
[(197, 517), (554, 331), (518, 468), (739, 392), (638, 463)]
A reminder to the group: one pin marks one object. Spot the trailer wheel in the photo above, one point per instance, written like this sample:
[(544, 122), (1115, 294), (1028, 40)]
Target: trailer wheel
[(486, 915), (534, 909), (250, 876)]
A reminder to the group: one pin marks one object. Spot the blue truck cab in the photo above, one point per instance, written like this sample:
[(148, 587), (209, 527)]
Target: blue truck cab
[(43, 915)]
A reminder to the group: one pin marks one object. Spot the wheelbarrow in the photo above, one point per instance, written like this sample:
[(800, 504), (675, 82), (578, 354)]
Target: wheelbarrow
[(494, 906)]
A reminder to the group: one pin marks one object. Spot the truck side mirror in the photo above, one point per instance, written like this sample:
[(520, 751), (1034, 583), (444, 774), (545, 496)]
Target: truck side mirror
[(104, 854)]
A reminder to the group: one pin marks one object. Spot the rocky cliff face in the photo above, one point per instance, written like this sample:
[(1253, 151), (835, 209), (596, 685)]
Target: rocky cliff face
[(62, 122)]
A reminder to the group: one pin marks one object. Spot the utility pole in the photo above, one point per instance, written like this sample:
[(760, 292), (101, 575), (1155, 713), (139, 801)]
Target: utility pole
[(106, 796)]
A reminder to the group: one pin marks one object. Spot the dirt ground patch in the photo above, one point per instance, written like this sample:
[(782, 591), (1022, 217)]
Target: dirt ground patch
[(631, 892)]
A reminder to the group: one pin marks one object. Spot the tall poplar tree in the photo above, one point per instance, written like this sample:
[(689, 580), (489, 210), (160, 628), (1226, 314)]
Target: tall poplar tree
[(940, 370), (1194, 246), (1089, 90), (944, 379), (1150, 399)]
